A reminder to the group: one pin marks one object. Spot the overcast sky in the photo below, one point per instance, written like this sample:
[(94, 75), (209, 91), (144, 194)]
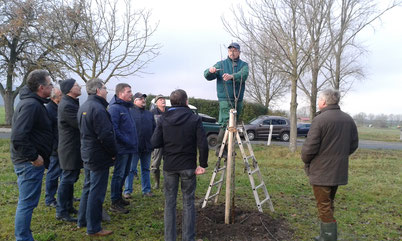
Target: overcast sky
[(193, 39)]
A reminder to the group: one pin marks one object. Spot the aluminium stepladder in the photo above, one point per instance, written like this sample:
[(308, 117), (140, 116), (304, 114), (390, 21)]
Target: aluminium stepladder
[(252, 169)]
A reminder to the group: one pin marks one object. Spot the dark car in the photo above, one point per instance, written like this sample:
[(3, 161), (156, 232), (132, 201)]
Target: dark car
[(260, 126), (209, 123), (302, 129)]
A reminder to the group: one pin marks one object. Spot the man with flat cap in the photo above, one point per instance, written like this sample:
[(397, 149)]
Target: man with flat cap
[(145, 125), (68, 149), (231, 75), (160, 108)]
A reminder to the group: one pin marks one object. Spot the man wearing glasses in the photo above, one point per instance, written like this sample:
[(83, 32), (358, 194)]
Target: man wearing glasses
[(98, 151), (31, 146)]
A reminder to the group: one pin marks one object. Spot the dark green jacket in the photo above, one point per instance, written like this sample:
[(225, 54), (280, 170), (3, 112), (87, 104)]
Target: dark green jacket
[(239, 69)]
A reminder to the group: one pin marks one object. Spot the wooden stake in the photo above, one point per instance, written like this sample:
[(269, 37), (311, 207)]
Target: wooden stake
[(229, 167)]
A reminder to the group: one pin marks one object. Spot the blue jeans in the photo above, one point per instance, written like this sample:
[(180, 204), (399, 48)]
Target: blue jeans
[(121, 169), (29, 185), (145, 158), (65, 194), (171, 186), (93, 195), (52, 179)]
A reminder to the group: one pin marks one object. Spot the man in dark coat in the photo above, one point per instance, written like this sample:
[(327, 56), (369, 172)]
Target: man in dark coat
[(31, 146), (126, 138), (180, 132), (69, 148), (331, 139), (145, 125), (98, 150), (54, 172)]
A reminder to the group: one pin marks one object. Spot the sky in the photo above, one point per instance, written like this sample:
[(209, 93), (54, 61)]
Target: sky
[(193, 39)]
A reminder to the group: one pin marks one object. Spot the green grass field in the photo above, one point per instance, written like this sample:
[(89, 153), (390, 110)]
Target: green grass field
[(379, 134), (368, 208)]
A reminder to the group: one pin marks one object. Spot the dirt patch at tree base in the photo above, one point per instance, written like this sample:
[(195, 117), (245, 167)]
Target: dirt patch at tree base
[(249, 225)]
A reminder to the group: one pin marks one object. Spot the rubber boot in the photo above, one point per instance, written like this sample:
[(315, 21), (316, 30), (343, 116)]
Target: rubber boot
[(157, 176), (218, 146), (328, 232)]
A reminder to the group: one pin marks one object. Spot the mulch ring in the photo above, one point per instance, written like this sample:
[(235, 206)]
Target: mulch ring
[(249, 225)]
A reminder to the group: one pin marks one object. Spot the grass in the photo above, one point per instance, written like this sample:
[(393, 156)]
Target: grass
[(368, 208), (2, 115), (379, 134)]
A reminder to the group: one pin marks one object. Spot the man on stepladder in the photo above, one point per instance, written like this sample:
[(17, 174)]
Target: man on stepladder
[(231, 75), (331, 139)]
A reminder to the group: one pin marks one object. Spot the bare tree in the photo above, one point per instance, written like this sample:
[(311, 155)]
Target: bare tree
[(349, 18), (19, 52), (265, 85), (281, 21), (103, 38), (316, 17)]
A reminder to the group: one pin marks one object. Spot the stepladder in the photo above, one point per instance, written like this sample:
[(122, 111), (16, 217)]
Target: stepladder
[(258, 186)]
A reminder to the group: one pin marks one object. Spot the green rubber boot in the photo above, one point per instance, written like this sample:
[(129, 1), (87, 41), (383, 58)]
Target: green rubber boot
[(157, 177), (328, 232)]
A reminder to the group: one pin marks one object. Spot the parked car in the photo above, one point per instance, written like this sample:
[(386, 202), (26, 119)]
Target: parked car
[(302, 129), (209, 123), (260, 127)]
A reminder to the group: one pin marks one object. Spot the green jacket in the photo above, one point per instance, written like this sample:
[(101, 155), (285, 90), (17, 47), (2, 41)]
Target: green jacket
[(239, 69)]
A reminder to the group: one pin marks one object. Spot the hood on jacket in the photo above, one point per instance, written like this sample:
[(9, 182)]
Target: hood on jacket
[(177, 115), (116, 100), (25, 93)]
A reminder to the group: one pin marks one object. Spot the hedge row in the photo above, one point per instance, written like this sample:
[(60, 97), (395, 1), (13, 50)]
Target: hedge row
[(211, 108)]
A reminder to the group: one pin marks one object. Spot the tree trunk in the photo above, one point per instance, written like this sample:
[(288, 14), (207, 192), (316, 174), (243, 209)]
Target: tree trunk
[(8, 98), (313, 95), (293, 115)]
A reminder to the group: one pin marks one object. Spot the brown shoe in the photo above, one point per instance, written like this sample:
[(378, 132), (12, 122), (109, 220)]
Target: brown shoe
[(101, 233)]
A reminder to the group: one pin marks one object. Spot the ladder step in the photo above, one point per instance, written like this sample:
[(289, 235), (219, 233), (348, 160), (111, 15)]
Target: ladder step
[(220, 169), (216, 183), (212, 196), (261, 185), (263, 201), (248, 157), (254, 171)]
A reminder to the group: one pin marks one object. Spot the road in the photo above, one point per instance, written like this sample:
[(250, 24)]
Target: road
[(363, 144)]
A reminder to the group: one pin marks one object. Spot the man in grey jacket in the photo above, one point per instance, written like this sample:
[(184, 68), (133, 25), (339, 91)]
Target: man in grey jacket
[(331, 139)]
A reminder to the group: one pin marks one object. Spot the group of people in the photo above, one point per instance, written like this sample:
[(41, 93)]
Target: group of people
[(64, 137)]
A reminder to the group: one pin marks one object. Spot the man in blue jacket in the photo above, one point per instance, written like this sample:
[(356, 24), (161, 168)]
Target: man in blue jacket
[(231, 75), (180, 132), (98, 150), (126, 137), (31, 146), (145, 123)]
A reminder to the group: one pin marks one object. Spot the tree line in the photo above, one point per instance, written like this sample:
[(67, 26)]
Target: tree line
[(380, 120)]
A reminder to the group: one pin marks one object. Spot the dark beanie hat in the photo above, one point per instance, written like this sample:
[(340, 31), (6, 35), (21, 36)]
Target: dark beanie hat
[(66, 85)]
